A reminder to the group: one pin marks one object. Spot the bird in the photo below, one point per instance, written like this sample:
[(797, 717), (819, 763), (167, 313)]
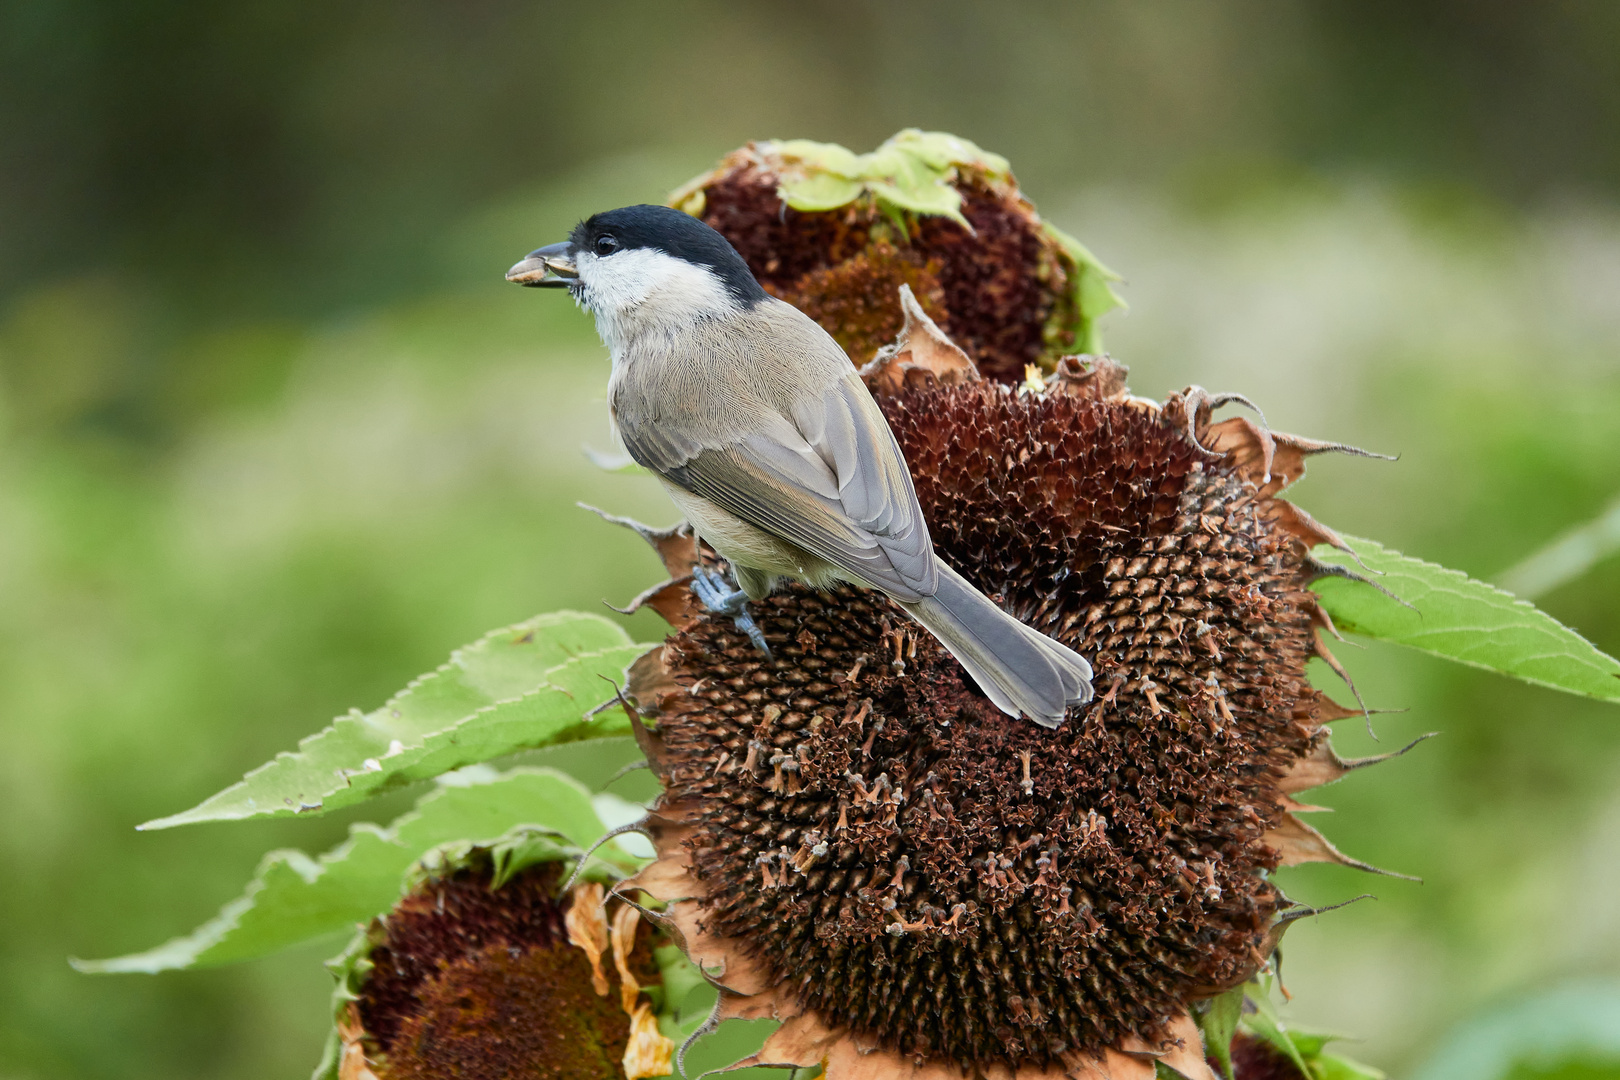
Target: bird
[(766, 439)]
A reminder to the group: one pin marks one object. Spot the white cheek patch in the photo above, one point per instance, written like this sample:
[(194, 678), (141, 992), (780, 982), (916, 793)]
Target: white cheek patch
[(640, 290)]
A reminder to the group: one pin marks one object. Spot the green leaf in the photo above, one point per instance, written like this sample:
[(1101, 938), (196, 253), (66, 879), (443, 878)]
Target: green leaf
[(903, 181), (940, 150), (831, 175), (1096, 294), (819, 191), (1263, 1023), (937, 199), (1093, 291), (1303, 1048), (1333, 1067), (293, 898), (1218, 1023), (1578, 1022), (1454, 616), (523, 687), (682, 1010), (892, 164), (909, 172), (819, 156), (1310, 1043)]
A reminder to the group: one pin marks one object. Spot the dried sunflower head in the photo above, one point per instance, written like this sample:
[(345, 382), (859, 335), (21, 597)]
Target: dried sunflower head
[(477, 974), (854, 841), (836, 233)]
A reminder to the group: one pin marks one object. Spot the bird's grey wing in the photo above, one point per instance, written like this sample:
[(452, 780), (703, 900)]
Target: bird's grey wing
[(848, 432), (830, 479)]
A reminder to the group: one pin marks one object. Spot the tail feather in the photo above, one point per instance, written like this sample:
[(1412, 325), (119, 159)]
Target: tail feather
[(1018, 667)]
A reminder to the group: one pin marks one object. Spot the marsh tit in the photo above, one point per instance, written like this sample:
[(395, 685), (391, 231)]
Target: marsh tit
[(763, 434)]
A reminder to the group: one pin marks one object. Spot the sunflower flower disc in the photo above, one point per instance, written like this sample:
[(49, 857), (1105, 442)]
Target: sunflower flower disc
[(866, 848)]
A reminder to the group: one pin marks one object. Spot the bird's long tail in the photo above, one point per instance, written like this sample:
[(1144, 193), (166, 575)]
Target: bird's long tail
[(1018, 667)]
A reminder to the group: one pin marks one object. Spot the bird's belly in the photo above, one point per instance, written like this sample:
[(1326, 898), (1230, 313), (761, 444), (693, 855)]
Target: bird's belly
[(748, 545)]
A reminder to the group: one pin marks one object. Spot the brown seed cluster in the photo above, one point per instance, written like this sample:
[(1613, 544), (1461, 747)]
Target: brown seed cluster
[(481, 983), (945, 882), (1002, 291)]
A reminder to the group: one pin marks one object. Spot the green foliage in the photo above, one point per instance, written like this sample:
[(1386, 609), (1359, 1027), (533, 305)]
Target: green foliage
[(518, 688), (1574, 1069), (1570, 1033), (293, 898), (1094, 289), (1449, 614), (1218, 1022), (1249, 1009), (1332, 1067), (1567, 558), (910, 172), (1262, 1022)]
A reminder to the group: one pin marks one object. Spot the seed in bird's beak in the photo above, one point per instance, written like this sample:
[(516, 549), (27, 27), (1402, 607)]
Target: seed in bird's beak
[(550, 267)]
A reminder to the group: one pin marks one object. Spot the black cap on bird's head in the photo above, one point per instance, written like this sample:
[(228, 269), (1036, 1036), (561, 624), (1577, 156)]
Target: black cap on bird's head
[(644, 227)]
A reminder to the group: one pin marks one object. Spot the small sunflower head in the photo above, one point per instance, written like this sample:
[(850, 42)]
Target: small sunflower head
[(856, 842), (836, 233), (474, 976)]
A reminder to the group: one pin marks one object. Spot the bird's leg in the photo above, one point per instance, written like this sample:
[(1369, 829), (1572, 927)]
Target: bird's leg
[(711, 589)]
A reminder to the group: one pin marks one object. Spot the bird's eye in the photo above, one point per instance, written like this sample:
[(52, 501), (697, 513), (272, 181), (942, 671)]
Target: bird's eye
[(606, 245)]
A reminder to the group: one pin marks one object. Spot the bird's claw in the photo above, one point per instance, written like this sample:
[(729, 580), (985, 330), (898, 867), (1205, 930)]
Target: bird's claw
[(711, 590)]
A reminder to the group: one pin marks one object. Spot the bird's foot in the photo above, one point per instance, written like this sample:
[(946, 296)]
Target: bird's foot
[(712, 591)]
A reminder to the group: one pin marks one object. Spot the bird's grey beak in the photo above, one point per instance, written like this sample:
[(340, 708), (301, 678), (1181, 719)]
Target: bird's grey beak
[(551, 267)]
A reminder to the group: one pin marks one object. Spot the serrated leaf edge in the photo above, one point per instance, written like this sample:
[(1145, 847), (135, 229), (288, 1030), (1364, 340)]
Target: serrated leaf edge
[(1598, 661), (192, 817)]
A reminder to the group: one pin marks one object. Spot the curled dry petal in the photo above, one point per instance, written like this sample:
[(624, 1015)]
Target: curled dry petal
[(1097, 377), (920, 357), (1271, 460), (677, 549), (1184, 1052), (1298, 843), (588, 929), (623, 933), (649, 1053), (352, 1063)]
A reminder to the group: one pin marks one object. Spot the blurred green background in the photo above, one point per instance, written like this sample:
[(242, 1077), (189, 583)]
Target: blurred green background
[(275, 436)]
